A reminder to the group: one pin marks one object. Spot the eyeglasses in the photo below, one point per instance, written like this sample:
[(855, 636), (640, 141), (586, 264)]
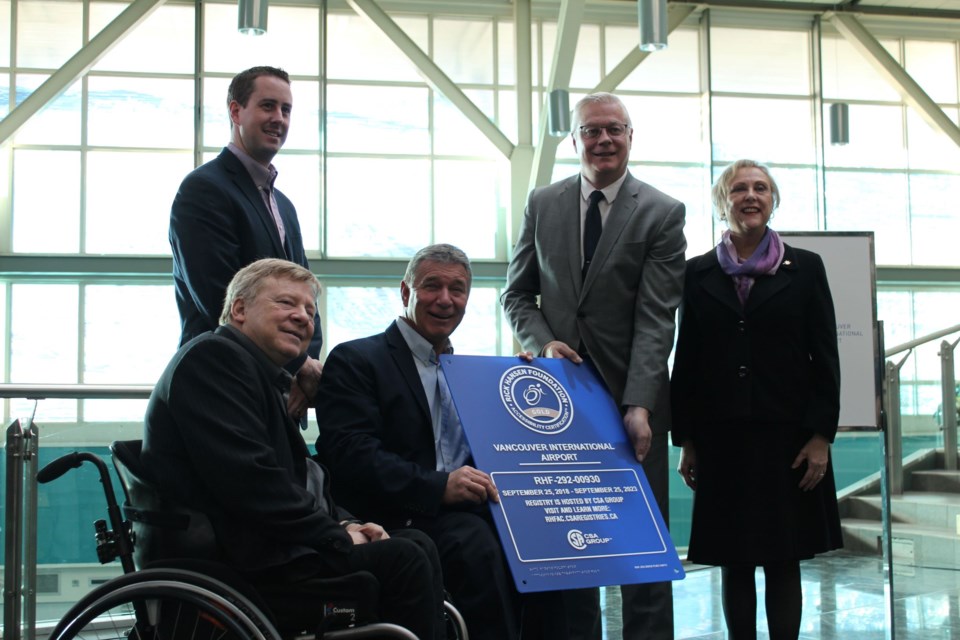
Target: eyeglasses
[(613, 130)]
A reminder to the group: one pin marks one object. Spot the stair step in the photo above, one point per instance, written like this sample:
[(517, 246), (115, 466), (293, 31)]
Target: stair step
[(932, 508), (935, 480), (925, 521), (914, 544)]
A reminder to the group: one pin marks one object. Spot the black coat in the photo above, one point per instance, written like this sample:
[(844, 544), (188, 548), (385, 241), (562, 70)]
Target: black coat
[(218, 440), (376, 434), (219, 224), (751, 385)]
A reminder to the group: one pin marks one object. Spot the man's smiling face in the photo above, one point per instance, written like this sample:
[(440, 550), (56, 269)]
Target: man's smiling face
[(603, 159), (279, 320), (260, 127), (437, 301)]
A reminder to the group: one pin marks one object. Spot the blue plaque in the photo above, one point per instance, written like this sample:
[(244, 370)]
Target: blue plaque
[(575, 508)]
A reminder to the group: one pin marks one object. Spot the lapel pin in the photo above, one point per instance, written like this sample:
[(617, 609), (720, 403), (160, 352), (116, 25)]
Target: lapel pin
[(787, 262)]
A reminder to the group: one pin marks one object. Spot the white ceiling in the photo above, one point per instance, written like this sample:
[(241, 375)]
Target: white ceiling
[(868, 6)]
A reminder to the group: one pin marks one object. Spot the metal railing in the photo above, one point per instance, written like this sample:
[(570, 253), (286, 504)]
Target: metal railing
[(20, 541), (20, 535), (891, 395), (75, 391)]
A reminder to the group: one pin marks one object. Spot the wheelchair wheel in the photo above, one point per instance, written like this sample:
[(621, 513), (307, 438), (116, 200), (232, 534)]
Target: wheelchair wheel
[(164, 605)]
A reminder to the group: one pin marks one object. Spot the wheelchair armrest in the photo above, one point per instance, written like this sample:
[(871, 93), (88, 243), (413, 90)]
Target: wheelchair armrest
[(179, 521)]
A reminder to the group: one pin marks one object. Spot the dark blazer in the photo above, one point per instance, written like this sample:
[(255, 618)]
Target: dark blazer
[(218, 440), (624, 310), (376, 435), (773, 360), (218, 225)]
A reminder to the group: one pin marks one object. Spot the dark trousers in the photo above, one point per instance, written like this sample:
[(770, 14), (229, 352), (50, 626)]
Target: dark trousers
[(478, 578), (573, 614), (648, 608), (475, 572), (406, 567)]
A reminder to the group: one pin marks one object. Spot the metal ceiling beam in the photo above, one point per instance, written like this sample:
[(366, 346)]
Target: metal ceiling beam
[(568, 32), (676, 14), (75, 67), (818, 8), (871, 49), (434, 76), (521, 161), (523, 48)]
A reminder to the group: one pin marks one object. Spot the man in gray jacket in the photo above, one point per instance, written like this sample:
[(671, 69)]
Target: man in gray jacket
[(605, 254)]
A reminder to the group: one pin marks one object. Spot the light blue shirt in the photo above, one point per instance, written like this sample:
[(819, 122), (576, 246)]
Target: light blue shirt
[(431, 377)]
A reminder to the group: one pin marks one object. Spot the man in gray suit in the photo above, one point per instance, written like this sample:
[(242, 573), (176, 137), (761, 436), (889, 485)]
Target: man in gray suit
[(605, 254)]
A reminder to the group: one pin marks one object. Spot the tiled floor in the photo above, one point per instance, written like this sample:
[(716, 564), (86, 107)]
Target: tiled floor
[(843, 599)]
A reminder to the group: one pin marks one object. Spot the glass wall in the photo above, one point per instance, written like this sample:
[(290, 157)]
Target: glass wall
[(379, 164)]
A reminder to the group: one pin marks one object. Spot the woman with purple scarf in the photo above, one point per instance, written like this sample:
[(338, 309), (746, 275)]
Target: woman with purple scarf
[(756, 401)]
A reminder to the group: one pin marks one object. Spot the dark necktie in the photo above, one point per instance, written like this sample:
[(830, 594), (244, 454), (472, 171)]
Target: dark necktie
[(592, 228)]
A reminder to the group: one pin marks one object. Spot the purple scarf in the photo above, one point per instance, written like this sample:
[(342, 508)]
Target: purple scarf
[(764, 261)]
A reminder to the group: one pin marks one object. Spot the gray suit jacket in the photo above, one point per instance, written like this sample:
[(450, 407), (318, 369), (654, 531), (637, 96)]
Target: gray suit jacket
[(624, 312)]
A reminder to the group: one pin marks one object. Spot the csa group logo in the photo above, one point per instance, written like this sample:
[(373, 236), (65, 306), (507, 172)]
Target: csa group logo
[(536, 399), (576, 539), (580, 540)]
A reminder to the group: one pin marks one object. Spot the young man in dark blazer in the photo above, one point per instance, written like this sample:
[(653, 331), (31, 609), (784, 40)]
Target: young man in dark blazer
[(219, 440), (228, 214)]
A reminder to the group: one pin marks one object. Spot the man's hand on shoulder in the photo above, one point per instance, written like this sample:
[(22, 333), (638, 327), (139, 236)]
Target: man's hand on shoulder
[(467, 484), (637, 424), (304, 388), (557, 349)]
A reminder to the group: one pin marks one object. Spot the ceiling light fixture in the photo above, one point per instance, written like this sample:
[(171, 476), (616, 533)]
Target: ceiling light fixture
[(652, 18), (559, 113), (252, 17)]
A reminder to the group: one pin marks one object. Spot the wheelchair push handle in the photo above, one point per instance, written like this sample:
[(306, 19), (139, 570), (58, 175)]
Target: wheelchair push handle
[(110, 545), (53, 470), (61, 465)]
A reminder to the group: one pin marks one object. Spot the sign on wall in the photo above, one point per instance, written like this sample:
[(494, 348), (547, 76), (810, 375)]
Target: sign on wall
[(851, 272)]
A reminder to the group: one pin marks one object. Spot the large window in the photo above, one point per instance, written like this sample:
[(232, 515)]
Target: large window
[(379, 164), (897, 172), (388, 164)]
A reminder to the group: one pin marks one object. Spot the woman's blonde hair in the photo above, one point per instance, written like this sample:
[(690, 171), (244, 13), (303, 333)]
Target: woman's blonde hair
[(721, 188)]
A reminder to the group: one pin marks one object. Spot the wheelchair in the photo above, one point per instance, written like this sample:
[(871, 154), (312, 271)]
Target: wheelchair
[(194, 598)]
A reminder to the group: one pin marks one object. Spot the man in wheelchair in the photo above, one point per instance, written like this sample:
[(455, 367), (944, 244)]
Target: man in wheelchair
[(219, 441)]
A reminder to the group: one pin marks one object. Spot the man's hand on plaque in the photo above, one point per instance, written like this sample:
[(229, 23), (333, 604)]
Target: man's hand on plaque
[(467, 484)]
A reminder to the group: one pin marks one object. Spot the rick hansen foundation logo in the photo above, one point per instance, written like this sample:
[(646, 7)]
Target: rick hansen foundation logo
[(536, 399)]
